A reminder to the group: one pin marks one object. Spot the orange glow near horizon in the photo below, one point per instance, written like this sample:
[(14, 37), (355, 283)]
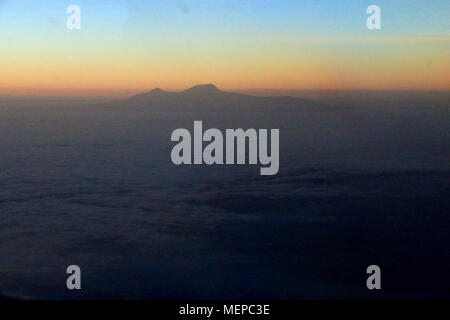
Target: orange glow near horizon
[(392, 64), (125, 47)]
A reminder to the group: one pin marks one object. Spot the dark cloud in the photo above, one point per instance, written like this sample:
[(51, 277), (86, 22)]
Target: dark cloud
[(94, 186)]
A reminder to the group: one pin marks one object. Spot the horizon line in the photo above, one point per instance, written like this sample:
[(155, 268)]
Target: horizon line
[(117, 93)]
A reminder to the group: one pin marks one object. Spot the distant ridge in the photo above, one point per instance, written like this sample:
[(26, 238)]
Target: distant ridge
[(157, 90), (209, 97), (197, 89), (203, 89)]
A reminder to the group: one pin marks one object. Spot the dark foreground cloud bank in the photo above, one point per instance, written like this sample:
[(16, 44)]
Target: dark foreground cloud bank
[(94, 186)]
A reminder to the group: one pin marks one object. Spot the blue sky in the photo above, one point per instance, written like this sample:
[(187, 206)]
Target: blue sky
[(230, 42), (305, 17)]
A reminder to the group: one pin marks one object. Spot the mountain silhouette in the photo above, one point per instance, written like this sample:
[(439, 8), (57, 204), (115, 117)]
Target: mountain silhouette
[(203, 89), (209, 97)]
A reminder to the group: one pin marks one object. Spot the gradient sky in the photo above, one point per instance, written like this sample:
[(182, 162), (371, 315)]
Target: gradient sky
[(235, 44)]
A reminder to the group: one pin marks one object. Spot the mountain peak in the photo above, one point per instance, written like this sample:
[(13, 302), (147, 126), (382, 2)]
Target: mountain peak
[(203, 89), (156, 90)]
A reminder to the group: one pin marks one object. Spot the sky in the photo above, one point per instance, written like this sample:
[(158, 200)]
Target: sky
[(137, 45)]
